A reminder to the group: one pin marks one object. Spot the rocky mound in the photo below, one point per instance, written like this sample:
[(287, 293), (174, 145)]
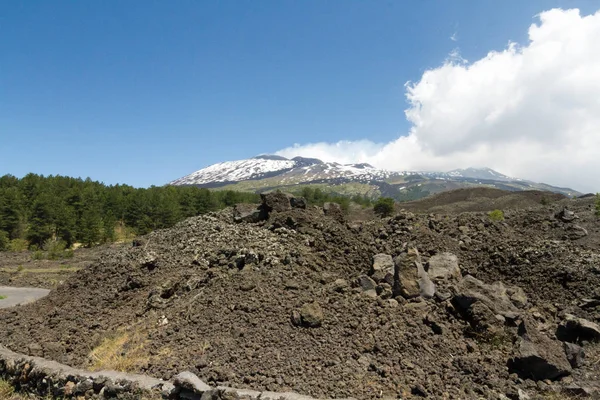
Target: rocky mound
[(292, 298), (482, 199)]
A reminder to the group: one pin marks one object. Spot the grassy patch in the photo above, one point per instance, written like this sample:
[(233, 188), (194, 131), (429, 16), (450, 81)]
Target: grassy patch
[(2, 297), (6, 390), (123, 351)]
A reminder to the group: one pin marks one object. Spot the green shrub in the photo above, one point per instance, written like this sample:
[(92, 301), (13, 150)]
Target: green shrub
[(384, 206), (4, 242), (545, 200), (496, 215), (18, 245), (37, 255), (55, 248)]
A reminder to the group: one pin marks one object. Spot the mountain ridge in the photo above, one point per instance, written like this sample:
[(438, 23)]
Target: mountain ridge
[(268, 172)]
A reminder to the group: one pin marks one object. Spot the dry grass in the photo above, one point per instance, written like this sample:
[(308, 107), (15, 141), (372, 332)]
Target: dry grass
[(123, 233), (6, 390), (123, 351)]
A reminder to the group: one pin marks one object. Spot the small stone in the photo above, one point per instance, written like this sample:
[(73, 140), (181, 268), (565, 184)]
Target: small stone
[(69, 388), (419, 390), (247, 286), (384, 291), (298, 202), (340, 285), (566, 215), (382, 262), (35, 350), (577, 330), (366, 283), (444, 267), (84, 386), (311, 315), (575, 354), (296, 318), (575, 232), (406, 277), (202, 362), (191, 382)]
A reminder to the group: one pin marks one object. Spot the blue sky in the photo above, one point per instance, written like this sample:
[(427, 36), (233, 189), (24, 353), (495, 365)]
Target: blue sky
[(144, 92)]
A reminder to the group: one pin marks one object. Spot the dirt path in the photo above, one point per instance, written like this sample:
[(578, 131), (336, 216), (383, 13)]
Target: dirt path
[(11, 296)]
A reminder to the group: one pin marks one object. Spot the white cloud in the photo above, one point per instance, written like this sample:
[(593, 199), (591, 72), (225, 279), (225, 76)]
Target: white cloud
[(531, 111), (454, 37)]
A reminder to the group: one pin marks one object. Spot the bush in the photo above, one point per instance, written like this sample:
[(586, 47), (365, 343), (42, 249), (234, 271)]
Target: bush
[(496, 215), (18, 245), (4, 242), (37, 255), (384, 206), (57, 249)]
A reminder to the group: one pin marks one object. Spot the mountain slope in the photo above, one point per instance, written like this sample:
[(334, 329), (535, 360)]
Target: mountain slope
[(267, 172)]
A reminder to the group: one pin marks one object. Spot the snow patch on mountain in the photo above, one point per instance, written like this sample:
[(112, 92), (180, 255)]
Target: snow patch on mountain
[(233, 171)]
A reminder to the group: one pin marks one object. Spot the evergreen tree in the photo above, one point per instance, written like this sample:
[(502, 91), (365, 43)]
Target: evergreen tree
[(12, 213), (41, 224), (4, 241), (90, 225), (384, 206)]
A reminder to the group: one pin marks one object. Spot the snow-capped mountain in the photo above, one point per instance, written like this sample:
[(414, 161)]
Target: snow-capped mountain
[(298, 169), (240, 170), (267, 172)]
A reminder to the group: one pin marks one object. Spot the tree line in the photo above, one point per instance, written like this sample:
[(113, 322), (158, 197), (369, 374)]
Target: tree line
[(316, 196), (39, 208)]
